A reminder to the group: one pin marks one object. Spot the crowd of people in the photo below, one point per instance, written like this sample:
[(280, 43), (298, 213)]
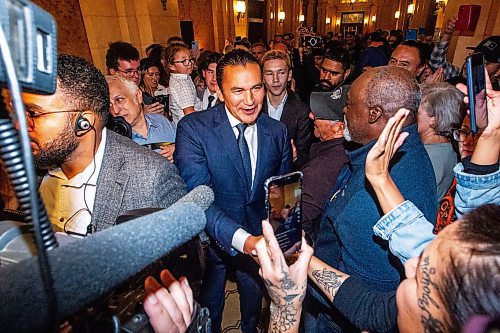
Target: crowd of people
[(400, 204)]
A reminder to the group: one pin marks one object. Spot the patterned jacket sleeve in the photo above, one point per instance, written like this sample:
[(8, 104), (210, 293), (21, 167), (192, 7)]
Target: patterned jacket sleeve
[(438, 60)]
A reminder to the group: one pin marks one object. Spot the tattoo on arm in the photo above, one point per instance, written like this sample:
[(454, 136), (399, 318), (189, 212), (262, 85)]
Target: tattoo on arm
[(283, 318), (285, 313), (328, 280)]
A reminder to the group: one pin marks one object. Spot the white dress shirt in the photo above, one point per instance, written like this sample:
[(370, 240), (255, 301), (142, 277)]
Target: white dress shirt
[(206, 94), (241, 235), (276, 113), (70, 202)]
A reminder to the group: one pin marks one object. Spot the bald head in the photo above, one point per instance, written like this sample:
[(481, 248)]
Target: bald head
[(376, 96), (391, 88)]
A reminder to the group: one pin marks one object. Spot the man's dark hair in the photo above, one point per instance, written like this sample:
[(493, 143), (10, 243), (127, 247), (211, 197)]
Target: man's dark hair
[(422, 54), (469, 285), (392, 88), (83, 84), (243, 42), (236, 57), (120, 51), (339, 55), (175, 39), (376, 36), (153, 46), (211, 58), (259, 44)]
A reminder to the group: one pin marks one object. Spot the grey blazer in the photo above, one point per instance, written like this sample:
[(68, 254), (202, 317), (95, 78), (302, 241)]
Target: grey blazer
[(132, 177)]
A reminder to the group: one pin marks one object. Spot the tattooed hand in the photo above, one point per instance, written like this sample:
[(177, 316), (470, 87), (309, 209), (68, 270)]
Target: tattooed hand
[(286, 285)]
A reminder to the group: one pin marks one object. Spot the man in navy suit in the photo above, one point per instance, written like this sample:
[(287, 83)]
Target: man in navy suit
[(233, 148)]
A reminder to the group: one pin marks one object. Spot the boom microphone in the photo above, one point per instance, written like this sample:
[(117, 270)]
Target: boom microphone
[(88, 269), (201, 195)]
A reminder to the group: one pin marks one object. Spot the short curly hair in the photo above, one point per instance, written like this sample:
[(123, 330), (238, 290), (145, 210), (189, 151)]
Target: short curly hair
[(83, 84), (120, 51)]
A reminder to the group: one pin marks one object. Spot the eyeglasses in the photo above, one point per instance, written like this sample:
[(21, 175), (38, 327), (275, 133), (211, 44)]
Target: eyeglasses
[(32, 114), (130, 72), (185, 62), (460, 135)]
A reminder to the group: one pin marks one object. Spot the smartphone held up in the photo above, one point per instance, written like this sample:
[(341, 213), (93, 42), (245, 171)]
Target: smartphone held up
[(284, 207), (476, 87)]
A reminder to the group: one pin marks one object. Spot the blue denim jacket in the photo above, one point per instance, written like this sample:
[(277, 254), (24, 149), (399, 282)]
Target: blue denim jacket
[(409, 232)]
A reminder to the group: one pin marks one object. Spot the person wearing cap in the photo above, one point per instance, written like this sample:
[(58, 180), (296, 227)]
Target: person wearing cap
[(490, 47), (326, 158)]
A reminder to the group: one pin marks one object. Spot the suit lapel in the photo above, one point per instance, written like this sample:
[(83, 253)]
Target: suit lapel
[(263, 138), (264, 106), (111, 185), (227, 140), (287, 114)]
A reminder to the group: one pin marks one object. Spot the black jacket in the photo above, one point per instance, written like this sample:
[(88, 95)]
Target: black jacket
[(300, 128)]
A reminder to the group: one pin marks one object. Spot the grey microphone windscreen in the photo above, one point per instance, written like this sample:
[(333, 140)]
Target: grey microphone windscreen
[(201, 195), (86, 270)]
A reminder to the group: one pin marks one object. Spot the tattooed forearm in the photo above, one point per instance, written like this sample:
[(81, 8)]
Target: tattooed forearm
[(425, 301), (284, 319), (328, 280)]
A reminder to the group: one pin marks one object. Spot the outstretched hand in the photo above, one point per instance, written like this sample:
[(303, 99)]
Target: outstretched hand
[(285, 284), (169, 308), (389, 141)]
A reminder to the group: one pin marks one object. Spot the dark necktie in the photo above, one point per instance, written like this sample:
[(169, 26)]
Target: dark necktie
[(245, 153), (210, 100)]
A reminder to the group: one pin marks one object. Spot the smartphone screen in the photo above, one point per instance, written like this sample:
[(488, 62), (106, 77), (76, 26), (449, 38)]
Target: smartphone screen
[(476, 87), (284, 208), (161, 99)]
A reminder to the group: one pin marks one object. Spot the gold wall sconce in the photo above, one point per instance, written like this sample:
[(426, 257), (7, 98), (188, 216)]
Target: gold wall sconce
[(240, 8)]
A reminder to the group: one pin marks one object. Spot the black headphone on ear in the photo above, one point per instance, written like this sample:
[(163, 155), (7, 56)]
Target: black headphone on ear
[(82, 125)]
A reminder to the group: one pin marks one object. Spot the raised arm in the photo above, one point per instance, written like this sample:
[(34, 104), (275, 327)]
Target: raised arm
[(404, 225), (285, 284), (378, 159), (488, 145), (478, 180), (438, 55)]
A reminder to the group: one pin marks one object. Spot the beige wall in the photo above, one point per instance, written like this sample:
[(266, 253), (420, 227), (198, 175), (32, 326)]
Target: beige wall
[(72, 38), (292, 9), (139, 22), (487, 26), (199, 12)]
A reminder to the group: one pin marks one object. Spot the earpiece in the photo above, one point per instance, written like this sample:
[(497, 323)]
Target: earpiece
[(82, 125)]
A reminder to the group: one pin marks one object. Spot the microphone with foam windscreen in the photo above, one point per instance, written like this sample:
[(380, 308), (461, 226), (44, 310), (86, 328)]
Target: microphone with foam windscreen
[(87, 269), (201, 195)]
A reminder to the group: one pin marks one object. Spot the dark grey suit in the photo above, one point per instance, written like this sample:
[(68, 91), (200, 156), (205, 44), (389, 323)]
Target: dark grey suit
[(132, 177)]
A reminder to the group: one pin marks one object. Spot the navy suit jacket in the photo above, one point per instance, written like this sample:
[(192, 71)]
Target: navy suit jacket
[(207, 153)]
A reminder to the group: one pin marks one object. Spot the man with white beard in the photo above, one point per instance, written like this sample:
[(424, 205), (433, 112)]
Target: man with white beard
[(345, 237)]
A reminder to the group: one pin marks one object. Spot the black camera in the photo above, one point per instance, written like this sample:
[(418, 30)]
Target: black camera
[(31, 34), (312, 41)]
